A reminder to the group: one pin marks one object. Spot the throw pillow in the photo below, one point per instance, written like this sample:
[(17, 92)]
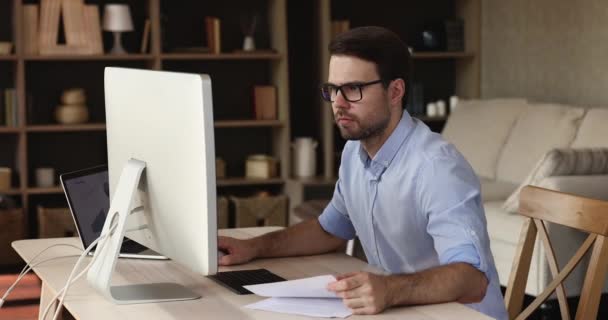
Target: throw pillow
[(562, 162)]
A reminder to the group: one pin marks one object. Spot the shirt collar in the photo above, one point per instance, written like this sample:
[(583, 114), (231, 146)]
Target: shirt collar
[(388, 150)]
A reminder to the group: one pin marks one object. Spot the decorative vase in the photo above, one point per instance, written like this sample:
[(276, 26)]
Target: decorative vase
[(71, 114), (248, 44)]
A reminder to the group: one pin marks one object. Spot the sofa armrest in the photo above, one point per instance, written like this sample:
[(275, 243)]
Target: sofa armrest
[(590, 186)]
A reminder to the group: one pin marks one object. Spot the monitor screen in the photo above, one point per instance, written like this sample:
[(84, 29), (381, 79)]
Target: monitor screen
[(165, 119)]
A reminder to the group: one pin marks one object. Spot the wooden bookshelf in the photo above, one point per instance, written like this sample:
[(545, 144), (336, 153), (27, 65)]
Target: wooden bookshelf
[(442, 55), (248, 123), (221, 56), (5, 129), (40, 79), (52, 190), (431, 119), (232, 182), (66, 128), (11, 192), (457, 73), (104, 57)]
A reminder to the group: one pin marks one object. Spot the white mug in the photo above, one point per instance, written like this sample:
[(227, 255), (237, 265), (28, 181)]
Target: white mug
[(431, 110), (441, 110), (45, 177)]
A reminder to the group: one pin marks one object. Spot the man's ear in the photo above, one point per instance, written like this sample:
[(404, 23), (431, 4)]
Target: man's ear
[(396, 91)]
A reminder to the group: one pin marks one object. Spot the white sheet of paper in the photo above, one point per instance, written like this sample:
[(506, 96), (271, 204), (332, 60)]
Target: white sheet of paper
[(312, 307), (314, 287)]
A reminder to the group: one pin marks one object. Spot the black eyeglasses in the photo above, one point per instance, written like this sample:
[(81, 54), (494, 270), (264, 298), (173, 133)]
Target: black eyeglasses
[(352, 91)]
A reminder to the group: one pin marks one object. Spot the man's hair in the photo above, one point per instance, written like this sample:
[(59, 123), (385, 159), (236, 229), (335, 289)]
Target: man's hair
[(378, 45)]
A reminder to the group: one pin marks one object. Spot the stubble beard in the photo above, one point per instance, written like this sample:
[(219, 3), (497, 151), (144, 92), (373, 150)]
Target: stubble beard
[(365, 132)]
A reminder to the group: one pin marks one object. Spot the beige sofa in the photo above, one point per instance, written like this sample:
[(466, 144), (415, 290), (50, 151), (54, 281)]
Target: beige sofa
[(504, 139)]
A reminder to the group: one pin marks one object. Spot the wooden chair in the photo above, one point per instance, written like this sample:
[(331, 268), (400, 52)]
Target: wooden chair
[(584, 214)]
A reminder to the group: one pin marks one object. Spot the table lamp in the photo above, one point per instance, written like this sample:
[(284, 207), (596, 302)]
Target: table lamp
[(117, 19)]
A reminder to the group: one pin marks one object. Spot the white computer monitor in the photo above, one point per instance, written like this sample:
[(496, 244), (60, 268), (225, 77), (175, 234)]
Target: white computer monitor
[(161, 148)]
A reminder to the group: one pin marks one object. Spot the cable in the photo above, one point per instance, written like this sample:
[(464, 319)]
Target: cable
[(70, 281), (26, 271), (29, 266), (80, 259)]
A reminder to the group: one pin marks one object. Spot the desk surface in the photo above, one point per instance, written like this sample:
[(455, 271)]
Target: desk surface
[(216, 302)]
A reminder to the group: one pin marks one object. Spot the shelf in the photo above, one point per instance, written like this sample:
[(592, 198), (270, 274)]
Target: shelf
[(9, 57), (11, 192), (314, 181), (222, 56), (443, 55), (248, 123), (5, 129), (228, 182), (102, 126), (98, 57), (431, 119), (52, 190), (66, 128)]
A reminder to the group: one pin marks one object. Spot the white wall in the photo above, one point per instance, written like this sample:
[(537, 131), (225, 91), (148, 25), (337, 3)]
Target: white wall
[(546, 50)]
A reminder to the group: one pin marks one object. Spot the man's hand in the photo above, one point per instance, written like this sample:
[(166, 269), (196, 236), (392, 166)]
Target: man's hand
[(237, 251), (362, 292)]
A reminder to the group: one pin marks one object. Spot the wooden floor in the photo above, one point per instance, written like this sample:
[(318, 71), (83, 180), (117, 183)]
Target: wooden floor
[(23, 301)]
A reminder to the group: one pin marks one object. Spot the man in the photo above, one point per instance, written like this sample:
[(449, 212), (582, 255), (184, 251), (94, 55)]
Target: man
[(410, 197)]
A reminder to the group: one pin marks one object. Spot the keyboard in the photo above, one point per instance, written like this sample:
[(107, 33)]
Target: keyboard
[(235, 280)]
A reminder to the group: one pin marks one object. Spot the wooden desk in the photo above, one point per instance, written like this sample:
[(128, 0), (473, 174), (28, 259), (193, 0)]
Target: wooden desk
[(216, 302)]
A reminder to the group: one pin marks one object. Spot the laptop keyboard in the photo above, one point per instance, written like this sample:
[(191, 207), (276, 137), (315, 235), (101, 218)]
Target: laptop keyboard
[(235, 280)]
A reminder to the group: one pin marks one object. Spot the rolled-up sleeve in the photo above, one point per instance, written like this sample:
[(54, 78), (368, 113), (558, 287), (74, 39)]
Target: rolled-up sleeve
[(334, 218), (450, 197)]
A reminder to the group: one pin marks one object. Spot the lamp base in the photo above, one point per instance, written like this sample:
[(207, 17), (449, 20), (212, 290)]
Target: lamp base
[(118, 49)]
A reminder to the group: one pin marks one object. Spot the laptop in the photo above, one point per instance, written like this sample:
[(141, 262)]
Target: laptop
[(88, 195)]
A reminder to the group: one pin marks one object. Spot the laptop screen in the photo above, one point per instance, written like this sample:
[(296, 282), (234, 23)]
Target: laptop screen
[(88, 192)]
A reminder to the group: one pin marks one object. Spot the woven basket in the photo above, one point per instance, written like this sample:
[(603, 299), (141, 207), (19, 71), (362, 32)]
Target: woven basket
[(222, 213), (12, 224), (55, 223), (260, 211)]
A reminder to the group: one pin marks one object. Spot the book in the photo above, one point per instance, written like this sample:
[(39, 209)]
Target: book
[(93, 29), (30, 29), (265, 102), (73, 21), (339, 26), (212, 28), (146, 37)]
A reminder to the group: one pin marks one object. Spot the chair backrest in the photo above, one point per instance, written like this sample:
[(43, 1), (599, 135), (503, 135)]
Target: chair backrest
[(588, 215)]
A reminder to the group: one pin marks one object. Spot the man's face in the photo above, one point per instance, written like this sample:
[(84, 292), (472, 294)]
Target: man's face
[(367, 117)]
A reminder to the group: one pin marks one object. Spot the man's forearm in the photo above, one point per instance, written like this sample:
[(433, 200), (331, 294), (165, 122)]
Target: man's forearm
[(305, 238), (454, 282)]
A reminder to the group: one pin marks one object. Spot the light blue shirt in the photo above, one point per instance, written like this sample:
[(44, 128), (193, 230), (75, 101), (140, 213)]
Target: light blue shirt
[(415, 205)]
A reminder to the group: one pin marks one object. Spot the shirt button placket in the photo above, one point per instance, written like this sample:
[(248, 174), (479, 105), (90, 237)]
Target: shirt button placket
[(372, 201)]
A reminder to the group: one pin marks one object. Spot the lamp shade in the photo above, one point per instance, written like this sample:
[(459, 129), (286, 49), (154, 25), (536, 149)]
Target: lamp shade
[(117, 18)]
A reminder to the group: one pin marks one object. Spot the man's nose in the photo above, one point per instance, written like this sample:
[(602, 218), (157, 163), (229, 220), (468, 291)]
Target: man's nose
[(340, 101)]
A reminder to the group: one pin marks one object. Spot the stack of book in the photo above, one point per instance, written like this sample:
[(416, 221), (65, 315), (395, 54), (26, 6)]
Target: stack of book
[(81, 24), (10, 110), (212, 27)]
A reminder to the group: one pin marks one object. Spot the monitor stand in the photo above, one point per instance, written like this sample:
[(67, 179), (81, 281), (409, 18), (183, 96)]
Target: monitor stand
[(106, 254)]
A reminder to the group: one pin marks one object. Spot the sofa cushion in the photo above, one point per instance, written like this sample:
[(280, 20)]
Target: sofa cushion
[(562, 162), (593, 132), (540, 128), (502, 225), (493, 190), (493, 118)]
